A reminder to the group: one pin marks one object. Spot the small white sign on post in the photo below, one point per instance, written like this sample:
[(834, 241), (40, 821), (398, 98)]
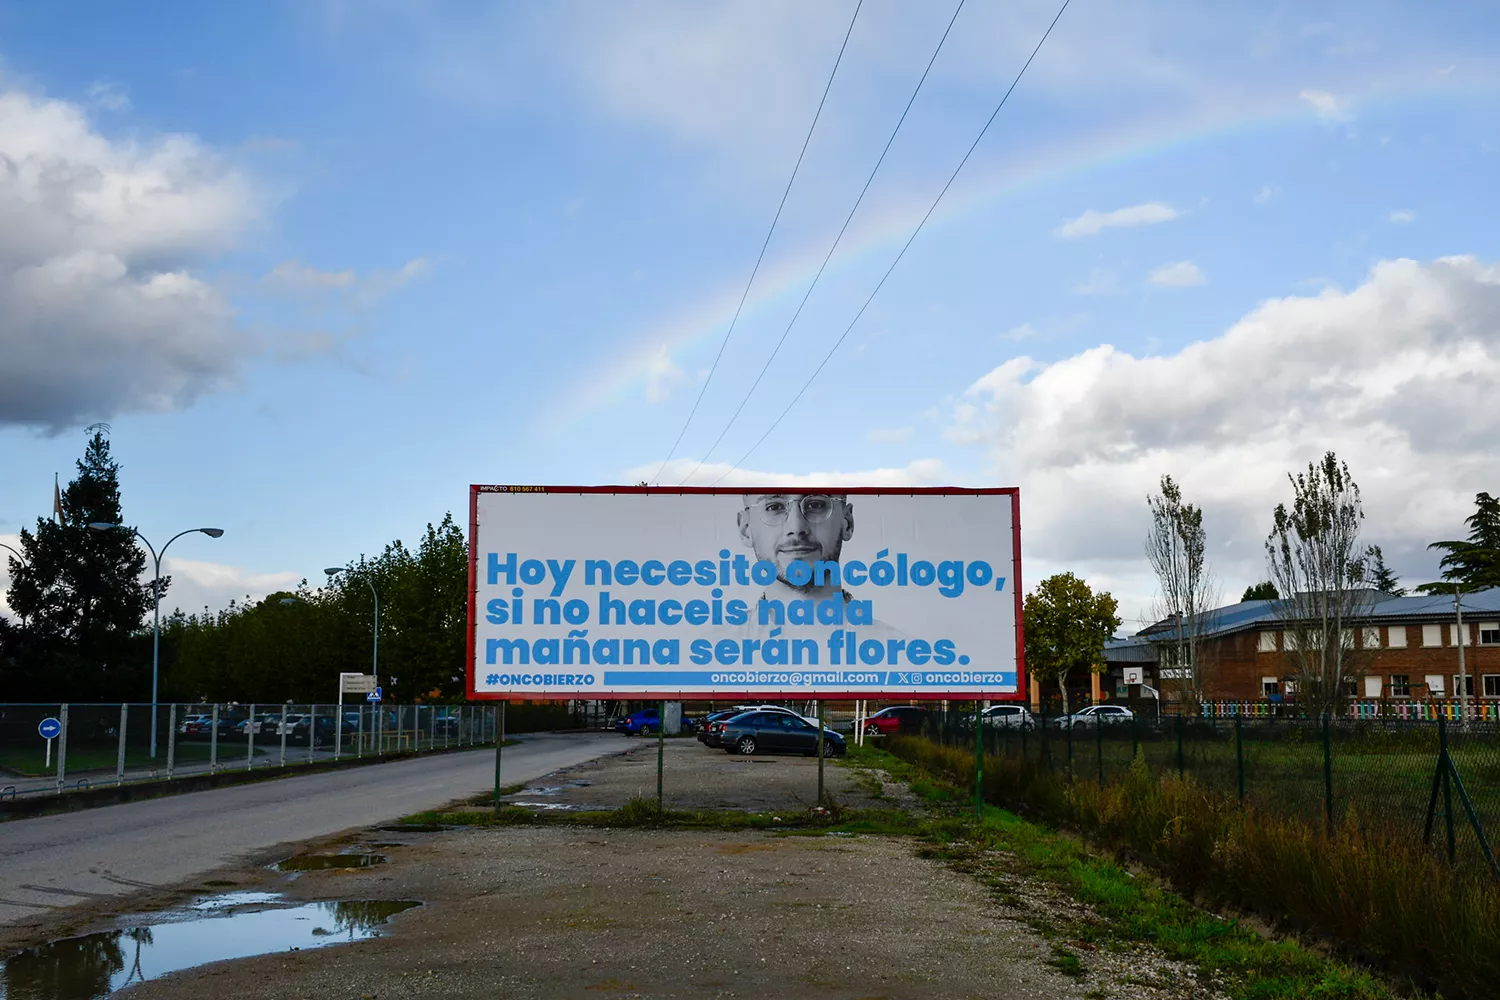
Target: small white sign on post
[(356, 683)]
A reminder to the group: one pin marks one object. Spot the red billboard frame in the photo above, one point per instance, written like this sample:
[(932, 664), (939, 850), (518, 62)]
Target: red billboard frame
[(801, 693)]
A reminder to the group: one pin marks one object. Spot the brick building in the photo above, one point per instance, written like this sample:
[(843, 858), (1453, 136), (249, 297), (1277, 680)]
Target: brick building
[(1409, 652)]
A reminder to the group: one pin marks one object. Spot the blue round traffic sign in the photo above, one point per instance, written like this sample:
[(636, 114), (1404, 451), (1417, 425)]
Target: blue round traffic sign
[(49, 728)]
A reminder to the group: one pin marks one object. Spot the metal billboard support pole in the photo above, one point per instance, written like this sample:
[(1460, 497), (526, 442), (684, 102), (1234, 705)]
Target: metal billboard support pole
[(499, 746), (120, 762), (286, 711), (213, 741), (978, 759), (62, 749), (171, 739), (661, 749), (250, 738), (820, 751)]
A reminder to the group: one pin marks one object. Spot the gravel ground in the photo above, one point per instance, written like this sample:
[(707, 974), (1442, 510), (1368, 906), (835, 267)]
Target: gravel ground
[(554, 911), (563, 911), (693, 777)]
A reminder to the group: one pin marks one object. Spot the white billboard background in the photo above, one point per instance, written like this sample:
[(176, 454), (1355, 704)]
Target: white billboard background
[(554, 527)]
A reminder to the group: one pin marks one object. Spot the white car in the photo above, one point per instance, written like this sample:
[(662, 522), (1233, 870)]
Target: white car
[(1096, 715), (1009, 717)]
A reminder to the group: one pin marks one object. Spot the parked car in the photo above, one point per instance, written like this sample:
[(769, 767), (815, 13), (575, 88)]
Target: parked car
[(646, 722), (1009, 717), (1096, 715), (264, 722), (301, 728), (778, 732), (713, 725), (196, 725), (898, 719)]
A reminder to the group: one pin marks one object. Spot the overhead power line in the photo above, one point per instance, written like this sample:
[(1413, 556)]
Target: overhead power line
[(836, 240), (766, 243), (906, 246)]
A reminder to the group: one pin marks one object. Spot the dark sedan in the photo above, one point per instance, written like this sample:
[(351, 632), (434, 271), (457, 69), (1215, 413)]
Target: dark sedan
[(775, 732), (712, 727)]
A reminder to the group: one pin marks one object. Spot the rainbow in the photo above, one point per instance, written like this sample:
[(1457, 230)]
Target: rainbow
[(882, 230)]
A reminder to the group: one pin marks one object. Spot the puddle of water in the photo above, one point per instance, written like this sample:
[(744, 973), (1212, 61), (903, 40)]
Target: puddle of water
[(551, 806), (96, 965), (232, 899), (326, 862)]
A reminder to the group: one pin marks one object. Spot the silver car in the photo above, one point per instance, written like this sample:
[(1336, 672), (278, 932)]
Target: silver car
[(1009, 717), (1096, 715)]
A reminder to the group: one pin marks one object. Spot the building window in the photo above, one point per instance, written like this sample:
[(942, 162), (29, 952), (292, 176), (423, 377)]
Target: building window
[(1468, 685), (1453, 634), (1395, 636), (1432, 635), (1269, 688), (1489, 633), (1435, 684), (1492, 685), (1372, 687), (1372, 638), (1268, 642), (1400, 685)]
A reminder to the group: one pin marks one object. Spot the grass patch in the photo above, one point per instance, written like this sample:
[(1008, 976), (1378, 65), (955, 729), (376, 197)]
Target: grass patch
[(1365, 890), (28, 762), (1067, 962)]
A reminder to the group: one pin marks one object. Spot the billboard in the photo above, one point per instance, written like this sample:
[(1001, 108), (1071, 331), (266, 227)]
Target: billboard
[(693, 593)]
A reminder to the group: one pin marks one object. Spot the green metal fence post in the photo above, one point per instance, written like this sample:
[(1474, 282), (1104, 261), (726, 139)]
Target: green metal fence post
[(820, 751), (1179, 746), (1070, 753), (1099, 751), (1446, 763), (1328, 769), (661, 750), (1239, 755)]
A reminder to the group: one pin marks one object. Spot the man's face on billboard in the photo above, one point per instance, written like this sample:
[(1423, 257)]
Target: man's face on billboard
[(782, 527)]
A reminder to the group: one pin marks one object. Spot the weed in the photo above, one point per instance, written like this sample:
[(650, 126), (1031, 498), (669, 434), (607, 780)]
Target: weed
[(1066, 962)]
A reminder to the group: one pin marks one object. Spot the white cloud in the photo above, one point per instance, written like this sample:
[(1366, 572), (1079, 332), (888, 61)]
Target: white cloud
[(196, 584), (1267, 195), (100, 310), (922, 472), (1397, 376), (1101, 281), (1023, 332), (107, 96), (1403, 215), (1092, 222), (1325, 104), (1178, 274), (662, 377), (295, 278), (293, 275), (889, 435)]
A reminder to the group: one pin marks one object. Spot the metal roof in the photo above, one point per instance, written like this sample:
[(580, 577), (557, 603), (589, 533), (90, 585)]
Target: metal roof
[(1249, 614)]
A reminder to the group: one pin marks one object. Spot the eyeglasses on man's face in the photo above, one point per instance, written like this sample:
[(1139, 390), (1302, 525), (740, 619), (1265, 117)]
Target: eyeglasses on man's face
[(814, 509)]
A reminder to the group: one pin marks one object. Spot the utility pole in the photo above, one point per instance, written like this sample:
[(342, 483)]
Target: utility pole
[(1463, 677)]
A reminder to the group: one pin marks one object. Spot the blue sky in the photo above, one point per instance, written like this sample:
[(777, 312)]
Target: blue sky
[(321, 265)]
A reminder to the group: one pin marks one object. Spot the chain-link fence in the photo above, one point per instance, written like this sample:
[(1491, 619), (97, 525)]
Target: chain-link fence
[(53, 748), (1434, 782)]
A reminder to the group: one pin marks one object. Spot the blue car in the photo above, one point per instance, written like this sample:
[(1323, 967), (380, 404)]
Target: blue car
[(643, 723), (646, 722)]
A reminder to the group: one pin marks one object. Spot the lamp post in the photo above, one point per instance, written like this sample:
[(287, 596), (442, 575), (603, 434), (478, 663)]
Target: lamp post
[(156, 599), (333, 571), (19, 558)]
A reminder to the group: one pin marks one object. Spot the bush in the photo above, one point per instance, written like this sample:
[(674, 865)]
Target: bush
[(1364, 885)]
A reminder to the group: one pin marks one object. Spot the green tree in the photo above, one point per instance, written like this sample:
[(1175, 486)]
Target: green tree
[(1067, 625), (1315, 559), (1472, 563), (1177, 547), (80, 596), (1263, 591), (1381, 578)]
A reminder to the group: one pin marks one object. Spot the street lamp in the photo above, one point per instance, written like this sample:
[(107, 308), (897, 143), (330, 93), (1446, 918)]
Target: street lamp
[(156, 596), (333, 571)]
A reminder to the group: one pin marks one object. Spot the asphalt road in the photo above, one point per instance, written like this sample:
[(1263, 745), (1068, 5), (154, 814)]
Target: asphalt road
[(76, 858)]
